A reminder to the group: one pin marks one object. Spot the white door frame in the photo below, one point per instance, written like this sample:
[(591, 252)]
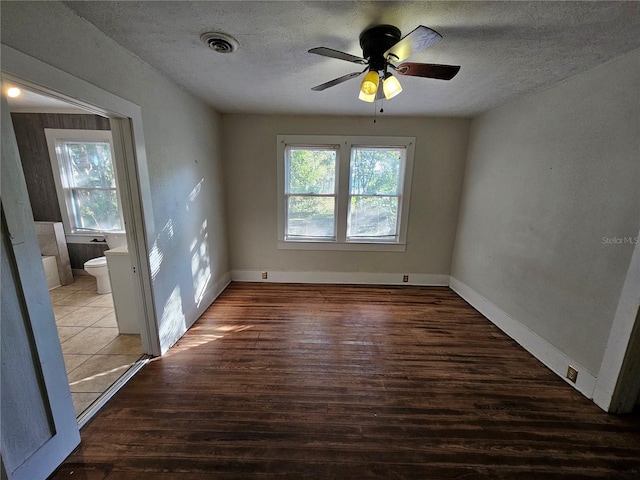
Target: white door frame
[(130, 159), (618, 382), (28, 326)]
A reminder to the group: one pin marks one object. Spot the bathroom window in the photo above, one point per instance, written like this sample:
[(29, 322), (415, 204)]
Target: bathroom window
[(84, 172), (343, 192)]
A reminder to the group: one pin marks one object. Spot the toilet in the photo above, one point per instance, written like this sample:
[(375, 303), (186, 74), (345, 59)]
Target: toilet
[(97, 267)]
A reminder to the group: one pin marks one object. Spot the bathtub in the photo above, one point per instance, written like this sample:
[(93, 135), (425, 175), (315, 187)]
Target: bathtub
[(51, 271)]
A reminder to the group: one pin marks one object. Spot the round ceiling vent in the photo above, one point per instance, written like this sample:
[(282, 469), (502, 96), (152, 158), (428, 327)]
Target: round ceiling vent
[(219, 42)]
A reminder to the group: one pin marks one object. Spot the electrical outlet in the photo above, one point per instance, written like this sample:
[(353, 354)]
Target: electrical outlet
[(264, 275), (405, 278), (572, 374)]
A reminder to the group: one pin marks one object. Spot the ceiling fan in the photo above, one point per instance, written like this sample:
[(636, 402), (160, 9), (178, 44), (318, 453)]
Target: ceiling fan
[(382, 47)]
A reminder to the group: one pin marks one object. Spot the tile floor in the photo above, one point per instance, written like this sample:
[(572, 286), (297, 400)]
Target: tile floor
[(95, 354)]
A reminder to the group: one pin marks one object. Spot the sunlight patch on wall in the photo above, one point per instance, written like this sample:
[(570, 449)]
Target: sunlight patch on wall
[(155, 259), (200, 264), (195, 193), (156, 254), (172, 321)]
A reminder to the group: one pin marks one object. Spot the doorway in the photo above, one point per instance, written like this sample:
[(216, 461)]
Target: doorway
[(34, 376), (99, 353)]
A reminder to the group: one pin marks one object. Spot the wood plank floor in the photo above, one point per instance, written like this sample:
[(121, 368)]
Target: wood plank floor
[(350, 382)]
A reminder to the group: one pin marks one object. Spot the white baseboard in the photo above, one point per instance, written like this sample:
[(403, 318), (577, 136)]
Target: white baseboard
[(537, 346), (360, 278)]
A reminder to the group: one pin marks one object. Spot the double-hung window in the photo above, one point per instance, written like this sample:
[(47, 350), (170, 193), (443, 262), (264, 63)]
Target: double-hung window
[(375, 193), (344, 193), (85, 177), (310, 192)]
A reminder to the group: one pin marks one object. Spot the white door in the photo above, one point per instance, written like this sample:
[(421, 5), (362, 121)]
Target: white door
[(38, 423)]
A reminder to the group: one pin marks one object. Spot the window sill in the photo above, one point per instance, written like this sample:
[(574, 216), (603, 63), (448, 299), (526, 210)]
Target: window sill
[(89, 237), (351, 246), (85, 238)]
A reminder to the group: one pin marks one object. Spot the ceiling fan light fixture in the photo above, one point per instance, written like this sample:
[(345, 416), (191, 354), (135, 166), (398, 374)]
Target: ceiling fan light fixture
[(370, 83), (391, 86), (383, 46), (367, 98)]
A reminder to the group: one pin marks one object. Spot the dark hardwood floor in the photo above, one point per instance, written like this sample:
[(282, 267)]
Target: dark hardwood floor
[(350, 382)]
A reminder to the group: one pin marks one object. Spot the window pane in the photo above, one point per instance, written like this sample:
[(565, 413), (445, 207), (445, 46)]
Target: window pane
[(312, 170), (375, 171), (90, 164), (373, 217), (96, 209), (311, 217)]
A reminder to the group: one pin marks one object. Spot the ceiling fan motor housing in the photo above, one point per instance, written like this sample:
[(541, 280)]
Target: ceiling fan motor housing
[(377, 40)]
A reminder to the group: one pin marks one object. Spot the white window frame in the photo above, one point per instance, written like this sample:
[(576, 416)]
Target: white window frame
[(334, 195), (54, 135), (345, 143)]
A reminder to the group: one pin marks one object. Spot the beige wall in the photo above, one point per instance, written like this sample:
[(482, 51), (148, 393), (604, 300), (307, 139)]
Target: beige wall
[(549, 178), (251, 179)]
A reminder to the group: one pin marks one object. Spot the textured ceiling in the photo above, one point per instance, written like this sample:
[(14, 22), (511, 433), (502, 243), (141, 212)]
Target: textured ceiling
[(505, 49)]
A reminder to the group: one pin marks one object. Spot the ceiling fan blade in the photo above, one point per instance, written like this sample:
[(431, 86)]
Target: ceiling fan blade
[(416, 40), (428, 70), (329, 52), (336, 81)]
